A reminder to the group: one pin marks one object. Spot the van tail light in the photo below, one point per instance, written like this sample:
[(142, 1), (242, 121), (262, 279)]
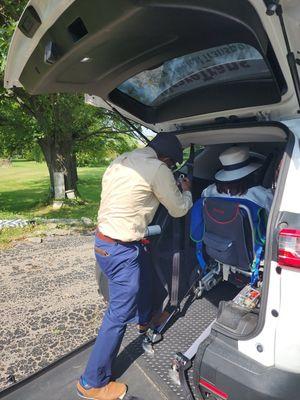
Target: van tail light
[(220, 395), (289, 248)]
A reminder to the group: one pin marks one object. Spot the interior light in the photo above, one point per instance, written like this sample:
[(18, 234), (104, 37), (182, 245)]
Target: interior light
[(86, 59)]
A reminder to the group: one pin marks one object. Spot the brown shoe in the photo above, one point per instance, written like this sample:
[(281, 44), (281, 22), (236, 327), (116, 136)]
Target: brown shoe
[(111, 391), (142, 328)]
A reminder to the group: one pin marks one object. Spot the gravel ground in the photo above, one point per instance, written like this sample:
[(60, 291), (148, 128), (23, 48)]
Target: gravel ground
[(49, 302)]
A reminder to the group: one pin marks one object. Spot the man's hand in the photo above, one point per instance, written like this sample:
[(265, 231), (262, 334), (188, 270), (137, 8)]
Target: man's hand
[(186, 185)]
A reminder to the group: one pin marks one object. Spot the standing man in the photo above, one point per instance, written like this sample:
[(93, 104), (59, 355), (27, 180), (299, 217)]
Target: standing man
[(132, 188)]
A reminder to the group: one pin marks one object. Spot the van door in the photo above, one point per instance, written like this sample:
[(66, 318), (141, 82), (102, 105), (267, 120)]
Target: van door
[(163, 63)]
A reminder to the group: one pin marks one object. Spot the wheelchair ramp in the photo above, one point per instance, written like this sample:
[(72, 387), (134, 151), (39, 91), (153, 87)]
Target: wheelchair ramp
[(59, 381), (192, 321), (147, 376)]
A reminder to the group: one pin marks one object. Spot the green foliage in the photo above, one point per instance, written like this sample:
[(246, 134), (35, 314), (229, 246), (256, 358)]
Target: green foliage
[(33, 153), (101, 151), (16, 129), (59, 120), (10, 11)]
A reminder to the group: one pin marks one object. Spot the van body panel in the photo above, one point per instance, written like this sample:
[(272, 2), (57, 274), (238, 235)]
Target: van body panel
[(260, 132), (287, 344), (237, 375), (267, 337), (290, 199)]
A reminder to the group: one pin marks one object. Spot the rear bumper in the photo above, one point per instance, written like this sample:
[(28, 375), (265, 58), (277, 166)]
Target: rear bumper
[(243, 378)]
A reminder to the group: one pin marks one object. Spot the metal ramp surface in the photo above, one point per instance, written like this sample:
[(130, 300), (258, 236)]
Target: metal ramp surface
[(147, 376), (192, 321)]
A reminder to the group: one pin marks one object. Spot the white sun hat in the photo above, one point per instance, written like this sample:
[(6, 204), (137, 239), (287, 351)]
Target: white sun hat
[(237, 164)]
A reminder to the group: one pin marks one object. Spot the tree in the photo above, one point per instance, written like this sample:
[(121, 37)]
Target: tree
[(59, 123)]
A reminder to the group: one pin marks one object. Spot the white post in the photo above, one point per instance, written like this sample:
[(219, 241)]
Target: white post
[(59, 185), (59, 190)]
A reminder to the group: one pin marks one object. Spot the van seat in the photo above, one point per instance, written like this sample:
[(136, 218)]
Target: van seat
[(229, 233)]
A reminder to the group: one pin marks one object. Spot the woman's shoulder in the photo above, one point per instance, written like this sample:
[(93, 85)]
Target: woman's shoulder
[(209, 191), (261, 196), (260, 189)]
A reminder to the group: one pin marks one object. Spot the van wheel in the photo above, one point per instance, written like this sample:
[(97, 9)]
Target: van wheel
[(201, 393), (102, 283)]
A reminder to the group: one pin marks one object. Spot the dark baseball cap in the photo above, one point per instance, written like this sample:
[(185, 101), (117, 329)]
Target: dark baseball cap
[(168, 145)]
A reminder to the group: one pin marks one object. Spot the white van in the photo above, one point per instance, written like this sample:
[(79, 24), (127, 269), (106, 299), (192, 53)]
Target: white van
[(216, 73)]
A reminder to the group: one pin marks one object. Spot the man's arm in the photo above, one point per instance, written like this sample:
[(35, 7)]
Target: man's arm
[(165, 189)]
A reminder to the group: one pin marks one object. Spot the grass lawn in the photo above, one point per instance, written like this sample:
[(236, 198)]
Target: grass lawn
[(24, 192)]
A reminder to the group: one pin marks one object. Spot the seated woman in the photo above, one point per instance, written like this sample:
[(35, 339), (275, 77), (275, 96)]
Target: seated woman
[(235, 180)]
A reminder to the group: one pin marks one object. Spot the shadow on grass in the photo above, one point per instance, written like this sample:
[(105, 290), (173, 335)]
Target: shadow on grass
[(20, 201), (34, 198)]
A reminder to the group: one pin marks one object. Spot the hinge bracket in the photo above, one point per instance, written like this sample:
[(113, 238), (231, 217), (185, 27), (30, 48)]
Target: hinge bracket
[(272, 6)]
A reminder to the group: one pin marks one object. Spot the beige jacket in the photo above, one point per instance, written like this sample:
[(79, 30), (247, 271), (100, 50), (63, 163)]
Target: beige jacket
[(132, 188)]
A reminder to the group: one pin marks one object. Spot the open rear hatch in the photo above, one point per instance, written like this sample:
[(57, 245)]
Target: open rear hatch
[(163, 63)]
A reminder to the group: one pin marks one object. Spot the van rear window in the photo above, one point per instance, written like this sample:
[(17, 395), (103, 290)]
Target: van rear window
[(227, 63)]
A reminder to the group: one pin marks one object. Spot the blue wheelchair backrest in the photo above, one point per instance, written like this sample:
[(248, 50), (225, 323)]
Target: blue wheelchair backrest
[(230, 231)]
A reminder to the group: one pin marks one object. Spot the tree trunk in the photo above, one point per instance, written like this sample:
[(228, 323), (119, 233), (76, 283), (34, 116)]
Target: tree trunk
[(46, 148), (60, 158), (74, 166)]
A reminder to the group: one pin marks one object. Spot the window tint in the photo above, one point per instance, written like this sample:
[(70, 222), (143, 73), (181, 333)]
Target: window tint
[(227, 63)]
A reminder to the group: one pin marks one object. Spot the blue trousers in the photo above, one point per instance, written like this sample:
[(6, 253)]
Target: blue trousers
[(129, 273)]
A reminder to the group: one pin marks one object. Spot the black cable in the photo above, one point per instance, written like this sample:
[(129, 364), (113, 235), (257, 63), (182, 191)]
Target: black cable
[(132, 127), (290, 55)]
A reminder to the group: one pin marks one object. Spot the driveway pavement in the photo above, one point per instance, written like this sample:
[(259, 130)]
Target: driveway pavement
[(49, 302)]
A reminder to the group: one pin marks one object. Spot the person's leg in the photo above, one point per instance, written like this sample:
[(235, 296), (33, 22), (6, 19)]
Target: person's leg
[(122, 268)]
